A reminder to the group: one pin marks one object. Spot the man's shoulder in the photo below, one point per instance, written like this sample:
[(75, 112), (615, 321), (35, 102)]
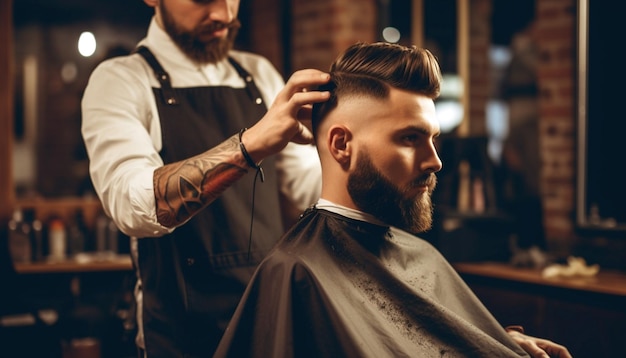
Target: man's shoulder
[(298, 247), (126, 64), (122, 75), (283, 265)]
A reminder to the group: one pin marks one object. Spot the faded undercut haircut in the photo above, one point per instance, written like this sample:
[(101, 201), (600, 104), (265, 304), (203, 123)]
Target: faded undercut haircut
[(369, 69)]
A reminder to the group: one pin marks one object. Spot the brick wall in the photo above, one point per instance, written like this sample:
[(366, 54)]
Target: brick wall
[(479, 67), (317, 30), (323, 28), (267, 26), (556, 74)]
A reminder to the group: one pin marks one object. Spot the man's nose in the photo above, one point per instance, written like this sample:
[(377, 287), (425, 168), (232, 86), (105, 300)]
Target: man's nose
[(431, 163), (221, 10)]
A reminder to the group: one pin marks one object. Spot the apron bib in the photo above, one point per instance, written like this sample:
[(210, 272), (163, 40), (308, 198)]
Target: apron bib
[(193, 278)]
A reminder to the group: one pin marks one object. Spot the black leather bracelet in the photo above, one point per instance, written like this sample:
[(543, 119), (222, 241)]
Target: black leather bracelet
[(247, 156)]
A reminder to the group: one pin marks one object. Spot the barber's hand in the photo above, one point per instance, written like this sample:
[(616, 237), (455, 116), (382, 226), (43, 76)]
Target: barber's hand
[(283, 122), (539, 348)]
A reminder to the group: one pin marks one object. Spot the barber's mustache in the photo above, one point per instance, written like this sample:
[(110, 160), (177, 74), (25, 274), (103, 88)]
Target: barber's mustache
[(218, 25)]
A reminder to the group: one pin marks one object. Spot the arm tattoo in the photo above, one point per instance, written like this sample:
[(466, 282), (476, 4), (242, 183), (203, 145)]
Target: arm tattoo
[(183, 188)]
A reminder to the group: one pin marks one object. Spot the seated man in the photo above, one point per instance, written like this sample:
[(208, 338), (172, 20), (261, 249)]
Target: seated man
[(350, 279)]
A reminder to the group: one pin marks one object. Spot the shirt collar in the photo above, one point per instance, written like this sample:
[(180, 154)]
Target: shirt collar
[(348, 212)]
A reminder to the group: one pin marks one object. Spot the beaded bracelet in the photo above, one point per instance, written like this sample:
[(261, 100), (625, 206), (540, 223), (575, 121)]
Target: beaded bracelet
[(247, 156)]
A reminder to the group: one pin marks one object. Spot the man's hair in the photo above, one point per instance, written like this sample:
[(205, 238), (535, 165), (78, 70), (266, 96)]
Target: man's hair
[(369, 69)]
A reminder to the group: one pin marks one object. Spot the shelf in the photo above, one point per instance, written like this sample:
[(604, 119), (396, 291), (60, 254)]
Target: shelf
[(586, 315), (607, 282), (63, 207), (117, 263)]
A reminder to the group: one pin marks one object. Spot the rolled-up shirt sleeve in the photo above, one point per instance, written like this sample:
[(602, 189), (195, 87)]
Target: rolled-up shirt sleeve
[(300, 174), (122, 142)]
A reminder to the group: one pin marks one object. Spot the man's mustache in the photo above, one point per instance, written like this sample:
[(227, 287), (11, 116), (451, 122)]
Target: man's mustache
[(428, 180)]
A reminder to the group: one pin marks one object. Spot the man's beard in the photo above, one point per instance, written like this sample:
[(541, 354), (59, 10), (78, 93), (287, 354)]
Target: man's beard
[(374, 194), (200, 51)]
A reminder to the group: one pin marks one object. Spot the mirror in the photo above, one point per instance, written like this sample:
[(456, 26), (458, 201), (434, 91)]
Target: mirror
[(513, 119), (600, 208)]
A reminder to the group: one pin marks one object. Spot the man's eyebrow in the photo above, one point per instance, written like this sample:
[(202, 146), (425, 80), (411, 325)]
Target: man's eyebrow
[(423, 130)]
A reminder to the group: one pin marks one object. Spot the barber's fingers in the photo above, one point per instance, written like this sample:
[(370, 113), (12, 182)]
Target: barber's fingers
[(303, 136), (301, 103), (282, 122), (302, 82), (307, 77)]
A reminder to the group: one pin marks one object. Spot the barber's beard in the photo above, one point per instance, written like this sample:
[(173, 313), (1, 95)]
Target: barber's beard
[(191, 43), (374, 194)]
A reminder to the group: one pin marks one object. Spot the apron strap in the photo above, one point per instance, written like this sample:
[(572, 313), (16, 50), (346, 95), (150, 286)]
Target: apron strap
[(253, 91), (168, 92), (162, 76)]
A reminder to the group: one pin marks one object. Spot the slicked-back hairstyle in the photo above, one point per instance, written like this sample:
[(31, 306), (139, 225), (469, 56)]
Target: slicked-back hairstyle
[(369, 69)]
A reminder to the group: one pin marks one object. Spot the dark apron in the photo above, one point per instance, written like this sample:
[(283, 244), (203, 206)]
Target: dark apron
[(193, 278)]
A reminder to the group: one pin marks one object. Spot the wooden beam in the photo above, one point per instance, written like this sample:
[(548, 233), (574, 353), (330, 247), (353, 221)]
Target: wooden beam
[(7, 193), (463, 62), (417, 23)]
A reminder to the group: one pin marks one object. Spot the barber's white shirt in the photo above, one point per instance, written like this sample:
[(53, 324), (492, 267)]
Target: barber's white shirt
[(122, 133)]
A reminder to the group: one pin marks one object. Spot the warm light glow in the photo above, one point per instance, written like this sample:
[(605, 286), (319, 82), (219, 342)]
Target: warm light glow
[(391, 34), (449, 114), (86, 44)]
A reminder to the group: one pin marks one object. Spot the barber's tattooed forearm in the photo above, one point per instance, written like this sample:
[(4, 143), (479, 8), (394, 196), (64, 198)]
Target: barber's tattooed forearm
[(183, 188)]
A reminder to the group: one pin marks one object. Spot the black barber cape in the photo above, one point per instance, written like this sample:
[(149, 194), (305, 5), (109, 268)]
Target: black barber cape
[(339, 287)]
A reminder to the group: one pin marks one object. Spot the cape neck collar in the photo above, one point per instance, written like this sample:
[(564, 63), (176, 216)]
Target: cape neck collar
[(348, 212)]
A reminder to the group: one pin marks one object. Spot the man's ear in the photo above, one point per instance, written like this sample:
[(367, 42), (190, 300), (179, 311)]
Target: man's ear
[(340, 145), (151, 3)]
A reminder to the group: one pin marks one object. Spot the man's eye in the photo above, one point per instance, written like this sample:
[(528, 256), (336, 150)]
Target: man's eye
[(411, 138)]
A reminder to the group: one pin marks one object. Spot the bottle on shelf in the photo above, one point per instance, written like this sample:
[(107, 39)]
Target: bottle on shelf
[(113, 234), (102, 223), (464, 190), (19, 238), (76, 234), (36, 234), (37, 240), (57, 240), (107, 237)]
